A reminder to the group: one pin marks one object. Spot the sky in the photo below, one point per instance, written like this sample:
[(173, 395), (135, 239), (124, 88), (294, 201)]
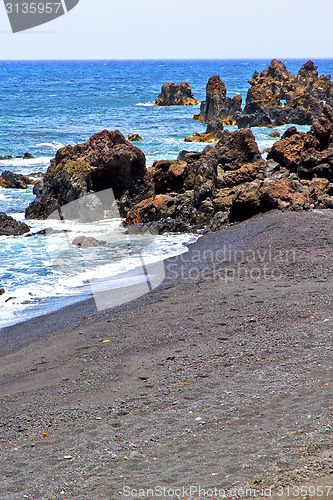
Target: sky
[(177, 29)]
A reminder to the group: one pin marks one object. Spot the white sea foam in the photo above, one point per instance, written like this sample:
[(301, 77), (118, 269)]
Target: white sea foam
[(145, 104), (104, 268), (52, 145), (23, 162)]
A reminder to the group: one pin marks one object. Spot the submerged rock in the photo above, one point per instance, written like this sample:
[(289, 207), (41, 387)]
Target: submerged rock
[(17, 181), (87, 241), (11, 227), (176, 95), (134, 137), (213, 132)]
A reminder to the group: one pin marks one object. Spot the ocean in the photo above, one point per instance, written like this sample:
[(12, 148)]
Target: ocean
[(46, 105)]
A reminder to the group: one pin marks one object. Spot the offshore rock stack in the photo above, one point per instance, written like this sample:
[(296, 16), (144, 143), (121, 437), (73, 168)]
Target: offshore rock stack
[(275, 97)]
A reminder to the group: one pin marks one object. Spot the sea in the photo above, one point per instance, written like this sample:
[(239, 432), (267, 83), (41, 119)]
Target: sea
[(45, 105)]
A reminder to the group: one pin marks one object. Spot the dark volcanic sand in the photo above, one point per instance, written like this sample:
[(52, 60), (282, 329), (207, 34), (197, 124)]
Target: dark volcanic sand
[(204, 382)]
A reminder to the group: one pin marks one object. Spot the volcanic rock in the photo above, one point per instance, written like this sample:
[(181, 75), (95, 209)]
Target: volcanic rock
[(213, 132), (11, 227), (106, 161), (277, 97), (176, 95), (10, 180), (217, 104), (308, 154), (134, 137)]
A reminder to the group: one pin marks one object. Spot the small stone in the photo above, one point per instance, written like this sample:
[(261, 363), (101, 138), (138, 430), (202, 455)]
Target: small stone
[(134, 137), (68, 457)]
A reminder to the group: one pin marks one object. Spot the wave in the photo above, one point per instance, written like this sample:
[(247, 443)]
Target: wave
[(18, 162), (52, 145), (145, 104), (68, 279)]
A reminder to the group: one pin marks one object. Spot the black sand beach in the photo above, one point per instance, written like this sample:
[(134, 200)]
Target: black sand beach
[(220, 378)]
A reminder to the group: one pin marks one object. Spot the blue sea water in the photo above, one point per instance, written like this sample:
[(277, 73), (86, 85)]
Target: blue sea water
[(45, 105)]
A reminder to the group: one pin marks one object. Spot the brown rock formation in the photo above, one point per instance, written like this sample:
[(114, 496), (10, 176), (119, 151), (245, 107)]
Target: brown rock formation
[(302, 95), (176, 95), (217, 104), (308, 154), (107, 160)]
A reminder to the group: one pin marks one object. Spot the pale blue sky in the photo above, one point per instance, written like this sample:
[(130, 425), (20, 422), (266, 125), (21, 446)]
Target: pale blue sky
[(189, 29)]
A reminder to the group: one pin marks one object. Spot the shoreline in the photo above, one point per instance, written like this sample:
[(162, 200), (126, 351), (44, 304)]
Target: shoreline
[(232, 379)]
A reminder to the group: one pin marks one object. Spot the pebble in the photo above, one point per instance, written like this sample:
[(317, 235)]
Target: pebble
[(68, 457)]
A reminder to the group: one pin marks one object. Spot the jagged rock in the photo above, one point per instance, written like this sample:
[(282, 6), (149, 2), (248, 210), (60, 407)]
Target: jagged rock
[(2, 291), (106, 161), (217, 104), (11, 227), (274, 134), (161, 226), (213, 132), (176, 95), (189, 156), (87, 241), (167, 175), (308, 82), (308, 154), (134, 137), (151, 209), (195, 180), (169, 225), (28, 156), (302, 96), (10, 180), (270, 86), (287, 151), (38, 188)]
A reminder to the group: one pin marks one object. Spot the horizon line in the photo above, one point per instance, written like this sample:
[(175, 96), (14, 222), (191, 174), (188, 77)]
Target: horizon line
[(167, 59)]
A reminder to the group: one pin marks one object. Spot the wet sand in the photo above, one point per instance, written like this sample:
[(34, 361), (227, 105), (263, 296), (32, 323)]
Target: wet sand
[(220, 378)]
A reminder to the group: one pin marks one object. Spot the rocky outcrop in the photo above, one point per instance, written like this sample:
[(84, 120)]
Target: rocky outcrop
[(11, 227), (309, 154), (213, 132), (10, 180), (217, 104), (26, 156), (106, 161), (230, 182), (224, 183), (176, 95), (186, 189), (277, 97)]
